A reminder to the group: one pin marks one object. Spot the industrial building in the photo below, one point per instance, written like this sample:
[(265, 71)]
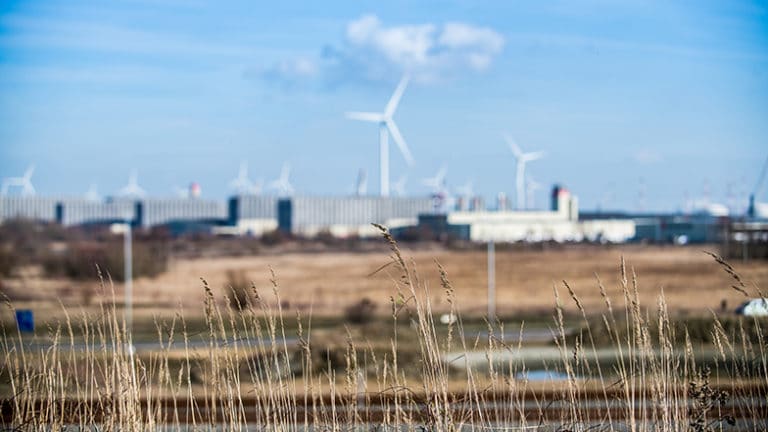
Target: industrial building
[(561, 223), (85, 212), (33, 208), (157, 212), (251, 215), (338, 216), (676, 228), (348, 216)]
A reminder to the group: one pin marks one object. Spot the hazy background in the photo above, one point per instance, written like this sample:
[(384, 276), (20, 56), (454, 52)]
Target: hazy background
[(666, 97)]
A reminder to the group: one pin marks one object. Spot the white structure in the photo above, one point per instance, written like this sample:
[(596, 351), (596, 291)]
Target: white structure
[(282, 184), (132, 189), (348, 217), (399, 186), (437, 182), (387, 126), (93, 193), (361, 183), (560, 224), (531, 186), (242, 184), (754, 307), (522, 159), (24, 182)]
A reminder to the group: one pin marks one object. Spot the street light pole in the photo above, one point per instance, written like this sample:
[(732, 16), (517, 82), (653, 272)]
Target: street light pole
[(128, 269), (491, 281)]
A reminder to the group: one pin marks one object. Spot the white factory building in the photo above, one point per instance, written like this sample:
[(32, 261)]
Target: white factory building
[(561, 224)]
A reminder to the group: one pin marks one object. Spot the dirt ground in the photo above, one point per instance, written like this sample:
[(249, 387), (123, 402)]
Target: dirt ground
[(328, 282)]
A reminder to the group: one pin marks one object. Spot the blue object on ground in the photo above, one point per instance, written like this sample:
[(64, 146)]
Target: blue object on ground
[(25, 320)]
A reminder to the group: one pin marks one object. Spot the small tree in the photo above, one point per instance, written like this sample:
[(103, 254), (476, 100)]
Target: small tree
[(360, 312)]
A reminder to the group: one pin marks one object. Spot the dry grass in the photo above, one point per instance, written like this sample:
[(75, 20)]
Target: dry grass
[(256, 380), (327, 283)]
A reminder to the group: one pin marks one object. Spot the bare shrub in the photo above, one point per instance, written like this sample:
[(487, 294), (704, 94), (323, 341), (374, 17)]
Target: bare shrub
[(360, 312), (238, 286)]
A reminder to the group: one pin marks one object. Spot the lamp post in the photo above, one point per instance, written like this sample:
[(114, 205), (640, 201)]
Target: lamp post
[(491, 281), (128, 269)]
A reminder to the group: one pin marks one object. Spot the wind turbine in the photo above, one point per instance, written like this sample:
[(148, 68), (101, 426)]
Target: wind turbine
[(437, 182), (531, 186), (24, 182), (361, 184), (181, 192), (522, 159), (93, 193), (466, 190), (132, 189), (242, 184), (465, 193), (387, 126), (282, 183), (399, 185)]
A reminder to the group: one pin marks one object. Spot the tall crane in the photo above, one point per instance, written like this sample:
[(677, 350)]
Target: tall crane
[(757, 189)]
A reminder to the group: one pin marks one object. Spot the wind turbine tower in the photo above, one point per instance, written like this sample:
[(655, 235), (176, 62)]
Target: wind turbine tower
[(522, 159), (387, 126), (361, 184)]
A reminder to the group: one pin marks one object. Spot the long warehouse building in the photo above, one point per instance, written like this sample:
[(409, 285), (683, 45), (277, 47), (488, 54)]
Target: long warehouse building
[(348, 216)]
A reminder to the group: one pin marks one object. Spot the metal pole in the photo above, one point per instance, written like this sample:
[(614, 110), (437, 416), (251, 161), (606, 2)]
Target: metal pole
[(128, 267), (491, 281)]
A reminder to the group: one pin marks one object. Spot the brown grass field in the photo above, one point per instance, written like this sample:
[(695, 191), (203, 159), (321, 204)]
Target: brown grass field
[(327, 282), (417, 375)]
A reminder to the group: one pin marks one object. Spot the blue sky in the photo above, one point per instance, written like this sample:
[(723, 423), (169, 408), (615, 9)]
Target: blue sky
[(665, 97)]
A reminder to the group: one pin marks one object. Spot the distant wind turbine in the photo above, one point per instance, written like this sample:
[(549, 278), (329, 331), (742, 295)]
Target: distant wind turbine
[(132, 189), (437, 183), (24, 182), (282, 183), (387, 126), (242, 184), (399, 186), (93, 193), (181, 192), (531, 186), (522, 159), (361, 184), (466, 190)]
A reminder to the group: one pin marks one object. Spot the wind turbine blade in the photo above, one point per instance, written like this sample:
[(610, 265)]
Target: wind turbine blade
[(533, 156), (513, 146), (365, 116), (441, 174), (395, 99), (400, 141), (28, 173)]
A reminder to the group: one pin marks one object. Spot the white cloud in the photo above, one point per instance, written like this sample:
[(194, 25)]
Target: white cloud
[(372, 51), (404, 45), (459, 35)]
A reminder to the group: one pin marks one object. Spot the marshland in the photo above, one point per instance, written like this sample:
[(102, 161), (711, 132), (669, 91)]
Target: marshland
[(374, 351)]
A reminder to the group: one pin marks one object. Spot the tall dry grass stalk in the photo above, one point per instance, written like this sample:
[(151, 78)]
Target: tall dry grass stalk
[(246, 372)]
